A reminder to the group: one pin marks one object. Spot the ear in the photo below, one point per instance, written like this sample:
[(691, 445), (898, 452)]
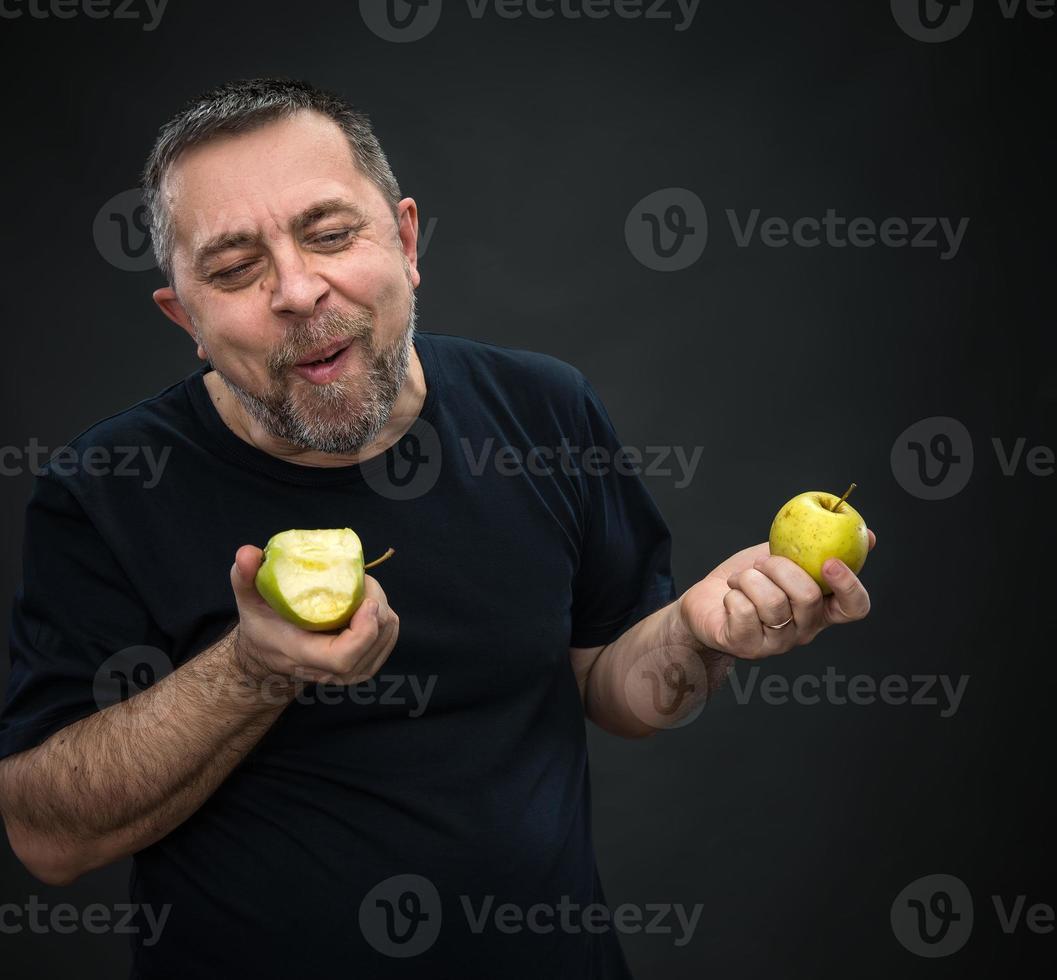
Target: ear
[(169, 303), (407, 228)]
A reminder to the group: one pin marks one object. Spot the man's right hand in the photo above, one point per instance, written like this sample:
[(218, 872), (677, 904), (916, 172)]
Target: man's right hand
[(267, 647)]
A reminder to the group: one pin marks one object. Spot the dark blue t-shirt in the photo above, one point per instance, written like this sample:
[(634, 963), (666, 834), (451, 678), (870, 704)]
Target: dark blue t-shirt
[(435, 822)]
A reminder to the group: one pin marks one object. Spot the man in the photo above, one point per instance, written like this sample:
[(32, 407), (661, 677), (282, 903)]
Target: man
[(351, 803)]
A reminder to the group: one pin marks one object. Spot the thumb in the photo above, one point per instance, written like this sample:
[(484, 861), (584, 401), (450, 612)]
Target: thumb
[(244, 571)]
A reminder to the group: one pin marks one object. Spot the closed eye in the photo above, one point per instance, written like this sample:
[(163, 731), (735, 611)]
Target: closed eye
[(333, 237), (233, 273)]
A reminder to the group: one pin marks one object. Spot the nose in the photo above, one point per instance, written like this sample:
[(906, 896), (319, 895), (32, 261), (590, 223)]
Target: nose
[(298, 289)]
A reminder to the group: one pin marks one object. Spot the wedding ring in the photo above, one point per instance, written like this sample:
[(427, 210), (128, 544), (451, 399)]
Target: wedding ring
[(780, 625)]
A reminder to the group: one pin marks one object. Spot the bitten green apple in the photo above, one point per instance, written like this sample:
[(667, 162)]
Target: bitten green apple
[(816, 526), (314, 579)]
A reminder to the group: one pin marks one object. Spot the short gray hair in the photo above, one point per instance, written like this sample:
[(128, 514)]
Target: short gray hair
[(241, 106)]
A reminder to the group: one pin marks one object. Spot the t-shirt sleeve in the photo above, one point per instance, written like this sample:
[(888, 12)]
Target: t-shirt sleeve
[(625, 562), (74, 616)]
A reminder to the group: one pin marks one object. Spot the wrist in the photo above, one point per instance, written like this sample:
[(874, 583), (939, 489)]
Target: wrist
[(249, 679), (678, 630), (681, 635)]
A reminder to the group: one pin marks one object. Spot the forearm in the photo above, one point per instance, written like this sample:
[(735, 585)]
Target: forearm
[(121, 779), (655, 675)]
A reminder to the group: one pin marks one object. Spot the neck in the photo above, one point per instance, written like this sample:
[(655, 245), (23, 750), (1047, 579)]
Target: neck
[(408, 405)]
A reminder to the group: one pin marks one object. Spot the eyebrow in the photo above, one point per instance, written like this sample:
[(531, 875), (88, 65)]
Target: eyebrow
[(250, 239)]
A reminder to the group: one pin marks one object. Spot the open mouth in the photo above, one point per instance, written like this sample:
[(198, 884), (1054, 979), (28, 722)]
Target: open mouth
[(326, 360), (335, 353), (323, 370)]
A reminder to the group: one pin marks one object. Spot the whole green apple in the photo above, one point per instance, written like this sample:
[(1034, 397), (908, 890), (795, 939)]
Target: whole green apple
[(314, 579), (816, 526)]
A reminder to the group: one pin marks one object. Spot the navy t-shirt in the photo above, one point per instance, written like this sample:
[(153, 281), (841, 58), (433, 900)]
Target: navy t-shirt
[(435, 822)]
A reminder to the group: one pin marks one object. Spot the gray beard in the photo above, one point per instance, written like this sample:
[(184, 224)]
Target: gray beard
[(344, 416)]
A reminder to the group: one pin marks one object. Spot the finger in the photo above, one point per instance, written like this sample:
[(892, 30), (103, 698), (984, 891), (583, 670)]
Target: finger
[(372, 661), (340, 652), (772, 604), (872, 537), (743, 627), (802, 591), (850, 600), (373, 590), (351, 649), (244, 574)]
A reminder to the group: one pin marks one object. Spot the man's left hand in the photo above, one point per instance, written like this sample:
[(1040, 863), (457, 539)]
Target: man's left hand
[(761, 591)]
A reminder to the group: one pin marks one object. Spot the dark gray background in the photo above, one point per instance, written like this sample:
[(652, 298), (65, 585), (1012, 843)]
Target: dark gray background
[(529, 141)]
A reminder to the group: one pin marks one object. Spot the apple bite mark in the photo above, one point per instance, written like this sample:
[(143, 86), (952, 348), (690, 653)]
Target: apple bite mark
[(314, 579)]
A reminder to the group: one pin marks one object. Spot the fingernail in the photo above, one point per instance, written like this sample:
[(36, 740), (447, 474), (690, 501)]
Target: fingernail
[(834, 567), (372, 608)]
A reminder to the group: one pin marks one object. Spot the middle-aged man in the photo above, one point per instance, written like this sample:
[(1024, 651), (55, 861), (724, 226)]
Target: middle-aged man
[(360, 803)]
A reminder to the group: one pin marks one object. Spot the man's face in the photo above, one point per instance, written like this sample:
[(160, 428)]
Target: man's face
[(284, 250)]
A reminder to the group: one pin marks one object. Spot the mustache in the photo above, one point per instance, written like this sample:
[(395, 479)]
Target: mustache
[(332, 326)]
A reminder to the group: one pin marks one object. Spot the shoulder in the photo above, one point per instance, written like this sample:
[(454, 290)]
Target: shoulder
[(510, 367), (109, 444)]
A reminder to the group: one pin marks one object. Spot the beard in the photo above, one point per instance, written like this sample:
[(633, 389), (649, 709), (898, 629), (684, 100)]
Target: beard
[(345, 415)]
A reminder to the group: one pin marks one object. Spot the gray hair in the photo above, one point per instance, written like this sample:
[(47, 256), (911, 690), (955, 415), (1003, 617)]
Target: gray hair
[(241, 106)]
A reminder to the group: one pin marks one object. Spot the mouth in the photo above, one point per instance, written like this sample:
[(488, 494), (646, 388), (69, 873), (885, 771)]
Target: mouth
[(326, 364), (324, 354)]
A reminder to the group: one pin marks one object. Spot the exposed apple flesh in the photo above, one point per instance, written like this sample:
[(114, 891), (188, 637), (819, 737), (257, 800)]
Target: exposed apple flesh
[(314, 579)]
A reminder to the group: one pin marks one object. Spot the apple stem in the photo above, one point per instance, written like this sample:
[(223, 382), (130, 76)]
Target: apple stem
[(389, 554), (845, 497)]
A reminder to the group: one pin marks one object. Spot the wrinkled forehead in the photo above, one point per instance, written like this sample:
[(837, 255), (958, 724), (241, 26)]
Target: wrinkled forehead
[(260, 182)]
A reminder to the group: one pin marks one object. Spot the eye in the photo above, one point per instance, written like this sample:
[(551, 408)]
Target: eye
[(333, 237), (229, 274)]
